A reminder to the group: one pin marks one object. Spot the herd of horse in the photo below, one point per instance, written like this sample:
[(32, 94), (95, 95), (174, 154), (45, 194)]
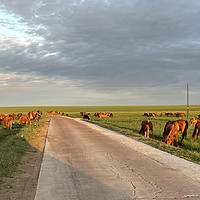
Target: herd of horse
[(96, 114), (7, 119), (177, 114), (172, 128)]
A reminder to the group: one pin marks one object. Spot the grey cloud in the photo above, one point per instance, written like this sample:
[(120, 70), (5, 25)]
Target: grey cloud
[(108, 43)]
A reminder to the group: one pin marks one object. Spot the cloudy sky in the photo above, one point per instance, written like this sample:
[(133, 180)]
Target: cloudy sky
[(99, 52)]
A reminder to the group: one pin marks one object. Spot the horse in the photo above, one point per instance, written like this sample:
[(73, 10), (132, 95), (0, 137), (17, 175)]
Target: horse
[(57, 112), (33, 115), (109, 114), (171, 131), (7, 121), (197, 127), (183, 126), (100, 115), (19, 115), (169, 114), (194, 121), (86, 117), (151, 115), (179, 115), (146, 126), (156, 114), (162, 113), (25, 119), (146, 114), (12, 115)]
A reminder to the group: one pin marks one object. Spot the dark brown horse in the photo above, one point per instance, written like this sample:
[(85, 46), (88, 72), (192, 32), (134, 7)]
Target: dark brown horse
[(196, 128), (183, 126)]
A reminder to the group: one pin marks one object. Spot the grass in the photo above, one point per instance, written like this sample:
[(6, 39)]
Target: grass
[(126, 120), (13, 146)]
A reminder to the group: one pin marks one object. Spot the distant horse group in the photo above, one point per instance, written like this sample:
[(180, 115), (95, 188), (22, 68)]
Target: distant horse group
[(164, 114), (96, 114)]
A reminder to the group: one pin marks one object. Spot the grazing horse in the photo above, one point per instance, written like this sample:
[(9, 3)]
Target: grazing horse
[(86, 117), (100, 115), (183, 126), (33, 116), (146, 126), (169, 114), (25, 119), (83, 113), (48, 114), (146, 114), (194, 121), (109, 114), (7, 121), (19, 115), (162, 113), (179, 115), (197, 127), (2, 116), (151, 115), (156, 114), (57, 112), (171, 131), (39, 113), (12, 115)]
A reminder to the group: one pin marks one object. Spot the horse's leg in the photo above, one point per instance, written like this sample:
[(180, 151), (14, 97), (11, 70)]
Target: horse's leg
[(176, 140), (197, 134), (145, 133), (172, 140), (152, 132), (194, 132)]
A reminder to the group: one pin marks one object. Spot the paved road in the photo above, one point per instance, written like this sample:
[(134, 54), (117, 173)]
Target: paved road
[(85, 162)]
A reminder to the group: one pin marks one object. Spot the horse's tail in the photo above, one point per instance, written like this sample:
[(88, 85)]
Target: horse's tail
[(184, 134), (186, 128), (194, 132)]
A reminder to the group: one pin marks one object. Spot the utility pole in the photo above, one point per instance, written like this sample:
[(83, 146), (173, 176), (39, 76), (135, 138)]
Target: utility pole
[(188, 101)]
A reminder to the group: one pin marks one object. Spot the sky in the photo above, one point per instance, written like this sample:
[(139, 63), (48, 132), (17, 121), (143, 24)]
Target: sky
[(99, 52)]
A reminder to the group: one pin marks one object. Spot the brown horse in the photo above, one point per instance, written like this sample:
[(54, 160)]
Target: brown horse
[(12, 115), (25, 119), (197, 127), (162, 113), (7, 121), (146, 126), (100, 115), (183, 126), (179, 115), (171, 131), (156, 114), (19, 115), (33, 116), (194, 121)]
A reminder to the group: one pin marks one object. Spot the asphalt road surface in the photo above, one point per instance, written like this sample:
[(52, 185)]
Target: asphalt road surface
[(85, 162)]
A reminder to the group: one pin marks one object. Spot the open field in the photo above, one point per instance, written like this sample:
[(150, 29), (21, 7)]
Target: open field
[(126, 120)]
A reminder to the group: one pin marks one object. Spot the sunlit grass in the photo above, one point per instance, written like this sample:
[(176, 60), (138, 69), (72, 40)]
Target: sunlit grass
[(127, 120)]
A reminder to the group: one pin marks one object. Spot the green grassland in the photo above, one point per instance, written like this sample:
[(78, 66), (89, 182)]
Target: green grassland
[(127, 120), (14, 144)]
